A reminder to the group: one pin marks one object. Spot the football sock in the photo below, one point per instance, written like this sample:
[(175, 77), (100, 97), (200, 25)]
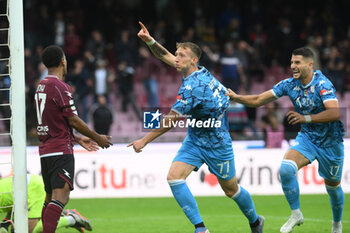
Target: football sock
[(186, 200), (245, 203), (52, 215), (290, 184), (336, 196), (65, 221), (43, 210)]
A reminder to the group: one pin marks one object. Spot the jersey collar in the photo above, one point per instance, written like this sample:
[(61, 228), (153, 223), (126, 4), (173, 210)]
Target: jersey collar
[(201, 69), (51, 76), (307, 85)]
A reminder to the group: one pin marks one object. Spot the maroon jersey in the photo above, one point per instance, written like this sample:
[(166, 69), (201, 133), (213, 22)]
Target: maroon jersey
[(54, 103)]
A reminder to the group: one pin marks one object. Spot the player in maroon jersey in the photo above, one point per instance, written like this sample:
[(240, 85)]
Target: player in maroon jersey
[(57, 116)]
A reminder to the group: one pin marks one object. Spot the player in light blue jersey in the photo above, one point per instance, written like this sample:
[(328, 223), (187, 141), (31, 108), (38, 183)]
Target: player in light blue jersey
[(202, 98), (320, 138)]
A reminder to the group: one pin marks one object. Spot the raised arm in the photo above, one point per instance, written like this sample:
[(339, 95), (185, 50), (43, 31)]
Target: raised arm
[(157, 49), (252, 100)]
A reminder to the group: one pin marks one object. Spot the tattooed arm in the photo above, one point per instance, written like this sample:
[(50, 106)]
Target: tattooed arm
[(157, 49)]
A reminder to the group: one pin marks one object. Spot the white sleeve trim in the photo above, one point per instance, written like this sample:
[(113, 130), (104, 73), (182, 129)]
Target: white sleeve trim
[(330, 100), (273, 92)]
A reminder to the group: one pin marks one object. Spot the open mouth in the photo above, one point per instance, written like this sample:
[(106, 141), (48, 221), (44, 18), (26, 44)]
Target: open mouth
[(296, 72)]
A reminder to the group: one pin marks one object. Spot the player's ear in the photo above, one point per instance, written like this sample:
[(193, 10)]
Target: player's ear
[(63, 61), (195, 60)]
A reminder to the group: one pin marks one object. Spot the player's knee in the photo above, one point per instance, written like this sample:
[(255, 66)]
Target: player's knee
[(288, 168), (230, 193), (174, 176)]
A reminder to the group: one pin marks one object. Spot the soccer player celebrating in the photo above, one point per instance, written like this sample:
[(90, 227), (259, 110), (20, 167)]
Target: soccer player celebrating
[(57, 116), (320, 138), (36, 196), (202, 97)]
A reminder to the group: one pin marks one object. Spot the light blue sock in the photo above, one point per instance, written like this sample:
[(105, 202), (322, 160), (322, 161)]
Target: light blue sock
[(186, 200), (290, 184), (336, 196), (245, 203)]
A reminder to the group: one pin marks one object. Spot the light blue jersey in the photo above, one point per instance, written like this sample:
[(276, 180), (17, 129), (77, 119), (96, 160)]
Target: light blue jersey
[(310, 99), (202, 97)]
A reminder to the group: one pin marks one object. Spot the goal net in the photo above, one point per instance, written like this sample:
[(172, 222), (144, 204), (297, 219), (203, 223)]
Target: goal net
[(12, 107)]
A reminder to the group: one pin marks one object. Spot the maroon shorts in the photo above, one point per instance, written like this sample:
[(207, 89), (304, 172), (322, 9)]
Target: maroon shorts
[(57, 171)]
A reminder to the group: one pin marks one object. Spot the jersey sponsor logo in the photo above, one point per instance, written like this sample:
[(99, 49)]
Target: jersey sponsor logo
[(326, 92), (182, 101), (42, 130)]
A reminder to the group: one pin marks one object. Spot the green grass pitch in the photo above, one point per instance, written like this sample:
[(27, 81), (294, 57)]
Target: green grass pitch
[(220, 214)]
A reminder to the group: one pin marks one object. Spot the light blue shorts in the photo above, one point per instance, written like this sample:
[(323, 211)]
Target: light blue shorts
[(220, 160), (330, 159)]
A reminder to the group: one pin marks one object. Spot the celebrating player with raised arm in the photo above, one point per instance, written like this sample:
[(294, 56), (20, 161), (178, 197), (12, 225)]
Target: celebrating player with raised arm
[(202, 97), (57, 116), (320, 138)]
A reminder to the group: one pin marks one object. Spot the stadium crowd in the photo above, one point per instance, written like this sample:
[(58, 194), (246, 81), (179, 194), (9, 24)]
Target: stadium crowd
[(246, 44)]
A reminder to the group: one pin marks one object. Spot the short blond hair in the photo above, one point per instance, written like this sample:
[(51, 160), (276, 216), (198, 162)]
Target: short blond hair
[(192, 46)]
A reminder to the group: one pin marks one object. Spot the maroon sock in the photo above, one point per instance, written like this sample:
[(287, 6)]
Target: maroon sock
[(51, 216), (43, 212)]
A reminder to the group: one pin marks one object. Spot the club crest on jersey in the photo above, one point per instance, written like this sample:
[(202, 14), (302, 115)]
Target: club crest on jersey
[(326, 92)]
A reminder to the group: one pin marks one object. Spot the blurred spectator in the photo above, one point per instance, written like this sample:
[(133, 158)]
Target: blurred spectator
[(151, 69), (237, 119), (125, 79), (44, 26), (334, 68), (81, 83), (244, 53), (125, 47), (232, 73), (59, 29), (258, 36), (102, 116), (272, 127), (233, 32), (102, 79), (96, 45), (315, 43), (72, 44)]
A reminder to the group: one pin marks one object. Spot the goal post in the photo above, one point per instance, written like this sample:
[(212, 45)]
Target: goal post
[(18, 119)]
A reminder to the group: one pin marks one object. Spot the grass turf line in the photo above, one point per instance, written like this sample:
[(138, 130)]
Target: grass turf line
[(220, 214)]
